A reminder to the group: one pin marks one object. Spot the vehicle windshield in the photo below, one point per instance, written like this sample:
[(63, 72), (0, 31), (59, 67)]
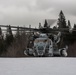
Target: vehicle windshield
[(40, 47), (43, 36)]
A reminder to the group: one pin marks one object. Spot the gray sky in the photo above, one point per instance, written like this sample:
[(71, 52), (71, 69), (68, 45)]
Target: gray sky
[(25, 12)]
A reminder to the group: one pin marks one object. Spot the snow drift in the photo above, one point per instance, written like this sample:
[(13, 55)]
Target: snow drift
[(38, 66)]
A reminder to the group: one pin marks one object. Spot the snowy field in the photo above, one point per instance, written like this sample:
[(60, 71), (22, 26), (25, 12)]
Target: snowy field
[(38, 66)]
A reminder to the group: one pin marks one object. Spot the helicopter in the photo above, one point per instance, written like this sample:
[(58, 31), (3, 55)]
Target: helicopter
[(44, 46)]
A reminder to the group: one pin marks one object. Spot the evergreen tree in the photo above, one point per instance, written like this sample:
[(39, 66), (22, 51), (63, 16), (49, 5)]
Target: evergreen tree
[(1, 35), (74, 26), (17, 33), (40, 25), (74, 32), (9, 36), (61, 20), (2, 45), (9, 31), (45, 24), (69, 24), (54, 27), (0, 31)]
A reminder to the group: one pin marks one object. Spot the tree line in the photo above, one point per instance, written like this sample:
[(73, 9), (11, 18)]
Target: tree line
[(13, 45)]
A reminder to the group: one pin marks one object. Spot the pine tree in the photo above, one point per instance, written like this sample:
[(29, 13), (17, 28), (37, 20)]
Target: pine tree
[(74, 32), (0, 40), (9, 36), (61, 20), (0, 31), (45, 24), (17, 33), (1, 35), (40, 25), (9, 31), (2, 45), (74, 26), (69, 24)]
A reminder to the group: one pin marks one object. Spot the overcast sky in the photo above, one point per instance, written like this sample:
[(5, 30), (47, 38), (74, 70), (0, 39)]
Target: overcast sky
[(25, 12)]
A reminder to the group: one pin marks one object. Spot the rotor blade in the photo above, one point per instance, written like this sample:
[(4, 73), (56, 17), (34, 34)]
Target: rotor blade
[(25, 28)]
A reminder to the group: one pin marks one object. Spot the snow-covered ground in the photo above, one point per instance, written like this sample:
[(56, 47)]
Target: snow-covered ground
[(38, 66)]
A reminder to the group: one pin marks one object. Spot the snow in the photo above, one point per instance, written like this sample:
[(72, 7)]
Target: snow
[(38, 66)]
